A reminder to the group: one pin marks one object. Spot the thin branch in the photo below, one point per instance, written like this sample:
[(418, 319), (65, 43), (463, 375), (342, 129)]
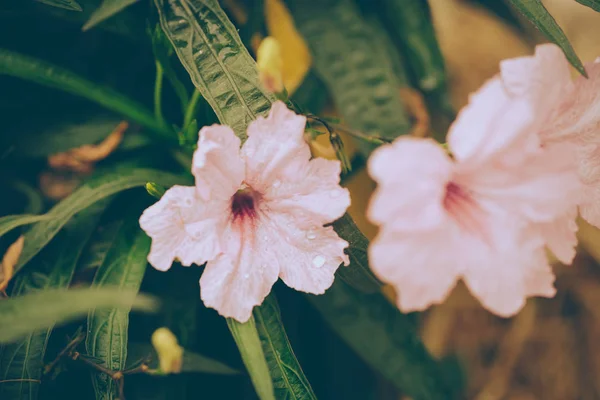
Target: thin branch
[(66, 351)]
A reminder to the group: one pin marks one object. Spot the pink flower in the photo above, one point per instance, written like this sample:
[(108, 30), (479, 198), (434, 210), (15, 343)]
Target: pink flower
[(483, 215), (568, 112), (256, 214)]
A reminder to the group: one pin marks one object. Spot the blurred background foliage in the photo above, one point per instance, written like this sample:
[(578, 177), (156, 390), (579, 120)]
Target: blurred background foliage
[(381, 67)]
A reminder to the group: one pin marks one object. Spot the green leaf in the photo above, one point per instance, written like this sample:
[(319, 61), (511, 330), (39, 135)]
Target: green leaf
[(411, 26), (66, 4), (107, 9), (248, 342), (358, 273), (35, 202), (354, 64), (384, 338), (212, 52), (537, 14), (95, 189), (21, 362), (191, 363), (311, 94), (71, 134), (593, 4), (127, 23), (162, 50), (43, 73), (99, 245), (288, 379), (123, 269), (24, 314), (10, 222)]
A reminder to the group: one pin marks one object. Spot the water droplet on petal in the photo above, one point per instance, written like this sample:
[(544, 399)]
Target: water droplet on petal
[(310, 234), (318, 261), (276, 184), (246, 275)]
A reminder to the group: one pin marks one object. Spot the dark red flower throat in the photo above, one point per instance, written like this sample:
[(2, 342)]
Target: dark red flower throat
[(244, 203)]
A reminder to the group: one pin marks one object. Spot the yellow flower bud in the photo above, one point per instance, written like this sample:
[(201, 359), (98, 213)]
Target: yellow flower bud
[(270, 64), (170, 353)]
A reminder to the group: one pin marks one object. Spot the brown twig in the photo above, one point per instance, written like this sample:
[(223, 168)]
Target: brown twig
[(77, 356), (66, 351)]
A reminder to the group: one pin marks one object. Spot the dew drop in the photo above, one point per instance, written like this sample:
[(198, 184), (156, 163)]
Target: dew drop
[(246, 275), (310, 234), (276, 184), (318, 261)]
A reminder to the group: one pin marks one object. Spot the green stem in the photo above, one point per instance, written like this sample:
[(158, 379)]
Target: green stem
[(158, 94), (191, 108)]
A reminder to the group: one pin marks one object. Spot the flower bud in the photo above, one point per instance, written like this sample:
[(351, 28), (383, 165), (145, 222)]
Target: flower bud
[(270, 64), (155, 190), (170, 353)]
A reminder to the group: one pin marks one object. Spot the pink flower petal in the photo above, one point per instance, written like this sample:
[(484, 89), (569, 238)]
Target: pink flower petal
[(412, 175), (493, 122), (543, 78), (275, 146), (502, 276), (589, 208), (182, 226), (242, 276), (217, 165), (560, 236), (544, 187), (307, 258), (503, 288), (578, 115), (420, 266), (588, 155), (311, 193)]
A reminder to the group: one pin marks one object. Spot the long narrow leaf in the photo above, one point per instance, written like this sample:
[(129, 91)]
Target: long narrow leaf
[(357, 274), (28, 68), (411, 25), (92, 191), (191, 363), (383, 337), (107, 9), (212, 52), (123, 269), (23, 314), (248, 342), (288, 379), (537, 14), (354, 64), (593, 4), (21, 362), (11, 222), (66, 4)]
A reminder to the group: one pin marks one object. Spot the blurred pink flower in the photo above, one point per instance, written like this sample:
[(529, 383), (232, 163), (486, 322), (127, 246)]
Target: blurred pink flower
[(568, 112), (256, 214), (485, 215)]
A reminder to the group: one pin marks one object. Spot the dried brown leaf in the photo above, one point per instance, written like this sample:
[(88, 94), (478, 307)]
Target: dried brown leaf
[(10, 259)]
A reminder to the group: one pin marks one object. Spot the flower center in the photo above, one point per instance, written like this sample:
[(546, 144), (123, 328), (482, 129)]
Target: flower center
[(465, 210), (244, 202)]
